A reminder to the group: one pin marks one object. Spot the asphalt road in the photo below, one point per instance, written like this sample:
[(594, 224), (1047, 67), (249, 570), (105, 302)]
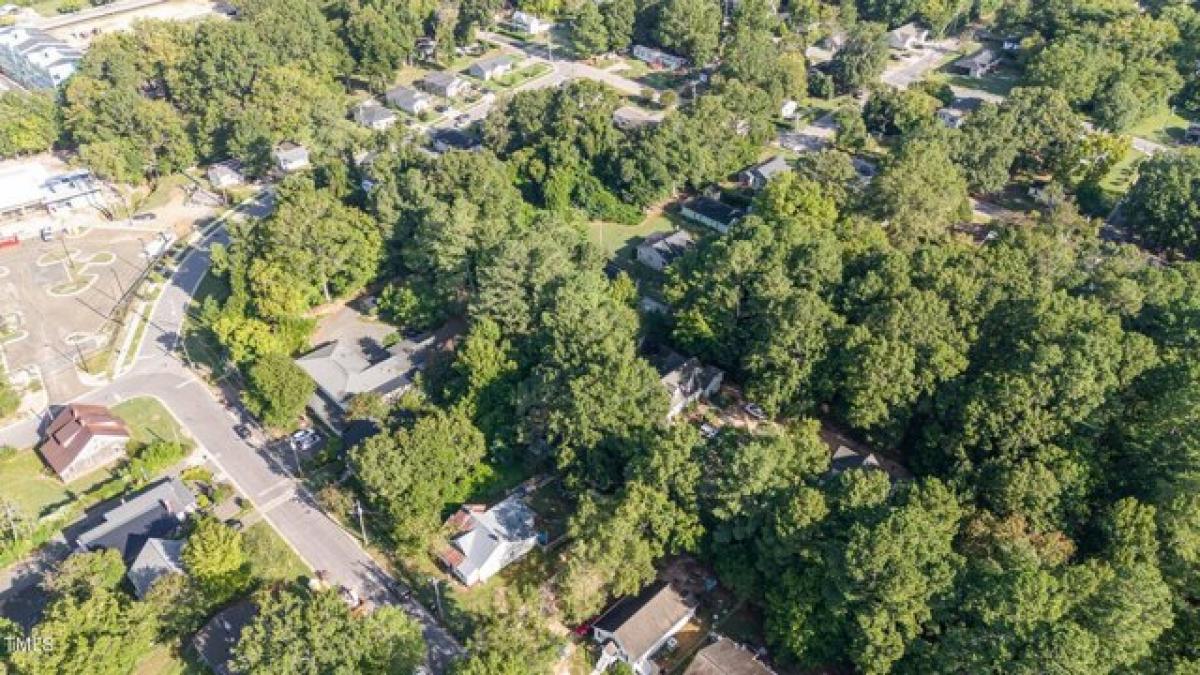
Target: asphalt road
[(256, 472)]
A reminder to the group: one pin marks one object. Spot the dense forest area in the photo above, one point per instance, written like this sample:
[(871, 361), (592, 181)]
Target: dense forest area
[(1040, 381)]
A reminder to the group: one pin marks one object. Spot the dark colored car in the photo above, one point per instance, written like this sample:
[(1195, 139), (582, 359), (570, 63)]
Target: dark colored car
[(242, 431)]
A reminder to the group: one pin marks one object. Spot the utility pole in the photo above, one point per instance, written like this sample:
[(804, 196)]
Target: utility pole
[(361, 524), (117, 278)]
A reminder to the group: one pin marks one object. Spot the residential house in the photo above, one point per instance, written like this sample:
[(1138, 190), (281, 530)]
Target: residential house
[(372, 115), (662, 248), (953, 118), (844, 459), (485, 541), (445, 140), (908, 37), (291, 157), (1192, 135), (757, 176), (158, 558), (343, 369), (726, 657), (411, 101), (658, 58), (686, 380), (636, 628), (157, 512), (486, 69), (225, 175), (215, 642), (711, 213), (445, 84), (529, 23), (35, 59), (978, 64), (81, 439)]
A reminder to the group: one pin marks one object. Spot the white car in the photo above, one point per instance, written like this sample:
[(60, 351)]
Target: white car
[(305, 439)]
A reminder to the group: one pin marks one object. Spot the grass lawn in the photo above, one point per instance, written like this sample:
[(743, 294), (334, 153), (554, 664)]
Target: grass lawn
[(35, 490), (271, 559), (1162, 127), (163, 190), (1121, 176), (518, 77), (199, 344), (999, 82), (149, 421), (615, 237), (164, 660)]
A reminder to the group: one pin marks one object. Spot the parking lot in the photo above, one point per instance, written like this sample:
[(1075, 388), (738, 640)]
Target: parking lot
[(57, 299)]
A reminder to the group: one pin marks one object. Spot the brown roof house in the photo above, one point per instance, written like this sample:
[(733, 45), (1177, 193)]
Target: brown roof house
[(83, 438), (726, 657), (636, 628)]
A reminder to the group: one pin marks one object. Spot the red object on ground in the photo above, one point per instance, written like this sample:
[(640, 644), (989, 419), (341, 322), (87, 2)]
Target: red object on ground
[(9, 242)]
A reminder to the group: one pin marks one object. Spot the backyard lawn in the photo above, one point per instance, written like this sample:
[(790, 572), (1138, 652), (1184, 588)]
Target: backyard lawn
[(1121, 176), (35, 490), (1162, 127), (615, 237)]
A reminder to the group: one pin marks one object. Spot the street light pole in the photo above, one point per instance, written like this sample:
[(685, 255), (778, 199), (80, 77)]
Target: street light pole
[(361, 524)]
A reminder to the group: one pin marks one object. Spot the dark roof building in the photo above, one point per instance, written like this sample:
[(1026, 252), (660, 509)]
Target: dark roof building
[(215, 642), (445, 140), (157, 512), (978, 64), (158, 558), (708, 211)]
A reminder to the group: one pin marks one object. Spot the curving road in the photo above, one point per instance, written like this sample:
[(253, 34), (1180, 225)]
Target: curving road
[(258, 475)]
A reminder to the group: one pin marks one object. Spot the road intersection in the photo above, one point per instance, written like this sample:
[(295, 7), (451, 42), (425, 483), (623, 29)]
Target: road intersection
[(161, 372)]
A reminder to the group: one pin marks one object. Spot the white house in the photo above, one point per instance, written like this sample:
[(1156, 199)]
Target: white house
[(710, 212), (372, 115), (485, 541), (636, 628), (658, 58), (290, 157), (662, 248), (908, 37), (225, 175), (486, 69), (529, 23), (83, 438), (411, 101), (444, 84), (36, 59)]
